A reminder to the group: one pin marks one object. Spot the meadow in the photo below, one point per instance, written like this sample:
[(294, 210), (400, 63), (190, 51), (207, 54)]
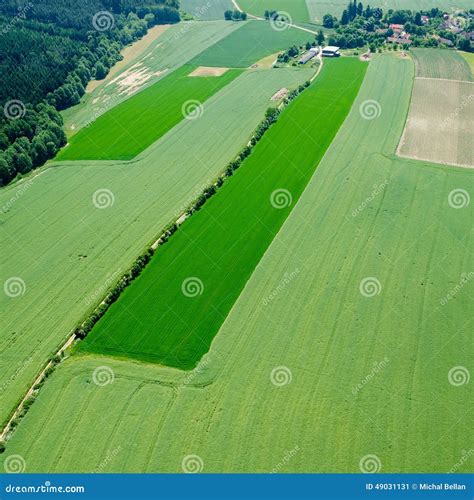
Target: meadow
[(295, 8), (253, 41), (441, 63), (204, 10), (469, 56), (130, 127), (156, 319), (52, 233), (344, 337)]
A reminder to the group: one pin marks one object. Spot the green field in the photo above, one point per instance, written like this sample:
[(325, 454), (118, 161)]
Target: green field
[(171, 50), (441, 63), (205, 10), (253, 41), (399, 345), (317, 8), (220, 246), (53, 237), (295, 8), (135, 124), (469, 56)]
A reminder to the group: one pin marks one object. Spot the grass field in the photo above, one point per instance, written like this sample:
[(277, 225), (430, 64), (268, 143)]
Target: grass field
[(366, 375), (253, 41), (441, 63), (174, 48), (205, 10), (52, 235), (295, 8), (317, 8), (469, 56), (442, 134), (135, 124), (220, 246)]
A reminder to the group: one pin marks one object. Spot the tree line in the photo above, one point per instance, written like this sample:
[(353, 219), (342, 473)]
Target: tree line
[(49, 51)]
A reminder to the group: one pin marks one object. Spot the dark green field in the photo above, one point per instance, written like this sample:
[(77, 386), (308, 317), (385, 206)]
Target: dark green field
[(130, 127), (250, 43), (221, 244)]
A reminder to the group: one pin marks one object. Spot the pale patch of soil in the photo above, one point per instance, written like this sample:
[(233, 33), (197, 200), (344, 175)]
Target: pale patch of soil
[(281, 94), (129, 53), (266, 62), (208, 71)]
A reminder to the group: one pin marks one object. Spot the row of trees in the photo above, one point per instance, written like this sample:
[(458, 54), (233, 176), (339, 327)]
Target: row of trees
[(235, 15), (48, 54)]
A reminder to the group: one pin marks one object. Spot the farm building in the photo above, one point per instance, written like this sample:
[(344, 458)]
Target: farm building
[(331, 51), (307, 56), (396, 28)]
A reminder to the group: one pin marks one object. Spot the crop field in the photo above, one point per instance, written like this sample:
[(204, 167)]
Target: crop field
[(164, 55), (469, 56), (158, 319), (52, 225), (441, 63), (132, 126), (442, 134), (205, 10), (344, 337), (297, 9), (253, 41)]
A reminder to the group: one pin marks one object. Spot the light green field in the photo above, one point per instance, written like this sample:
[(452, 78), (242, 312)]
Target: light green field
[(441, 63), (317, 8), (253, 41), (295, 8), (220, 246), (369, 375), (53, 237), (205, 10), (469, 56), (174, 48), (132, 126)]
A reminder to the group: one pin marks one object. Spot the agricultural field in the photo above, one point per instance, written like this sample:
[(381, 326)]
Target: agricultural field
[(132, 126), (296, 9), (165, 54), (344, 338), (441, 134), (206, 10), (158, 319), (441, 63), (52, 231), (469, 56), (252, 41)]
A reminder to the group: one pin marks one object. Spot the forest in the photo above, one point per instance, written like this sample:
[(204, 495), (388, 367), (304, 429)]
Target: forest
[(49, 51)]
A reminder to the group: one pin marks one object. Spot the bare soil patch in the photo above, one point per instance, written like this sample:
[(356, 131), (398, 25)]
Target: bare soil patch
[(208, 71)]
